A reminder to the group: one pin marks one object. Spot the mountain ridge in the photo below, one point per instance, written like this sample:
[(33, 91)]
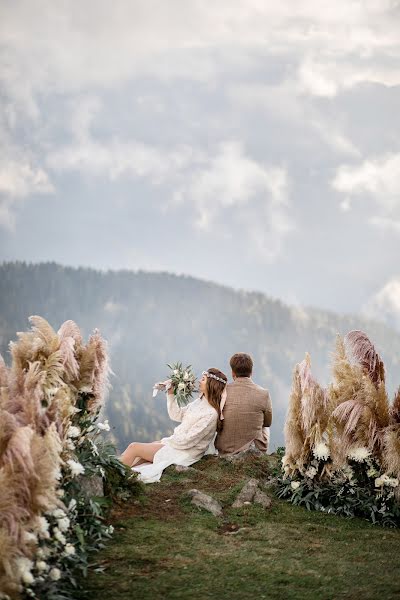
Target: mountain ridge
[(151, 319)]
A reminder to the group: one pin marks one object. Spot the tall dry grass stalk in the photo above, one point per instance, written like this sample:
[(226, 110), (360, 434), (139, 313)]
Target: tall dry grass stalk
[(358, 396), (391, 439), (38, 394), (307, 418)]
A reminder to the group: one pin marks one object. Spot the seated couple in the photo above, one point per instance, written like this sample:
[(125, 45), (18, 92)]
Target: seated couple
[(233, 414)]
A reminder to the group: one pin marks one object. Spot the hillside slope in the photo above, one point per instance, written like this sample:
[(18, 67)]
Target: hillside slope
[(164, 547)]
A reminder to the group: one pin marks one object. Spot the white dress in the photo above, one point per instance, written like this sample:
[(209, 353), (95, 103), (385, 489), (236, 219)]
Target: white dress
[(191, 440)]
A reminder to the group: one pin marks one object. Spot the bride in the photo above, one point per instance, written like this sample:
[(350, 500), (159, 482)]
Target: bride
[(194, 437)]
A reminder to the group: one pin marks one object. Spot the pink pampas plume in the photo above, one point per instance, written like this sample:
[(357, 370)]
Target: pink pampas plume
[(70, 329), (3, 373), (361, 350), (95, 370)]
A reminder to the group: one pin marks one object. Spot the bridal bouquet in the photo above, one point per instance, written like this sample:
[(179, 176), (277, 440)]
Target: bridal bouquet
[(183, 381)]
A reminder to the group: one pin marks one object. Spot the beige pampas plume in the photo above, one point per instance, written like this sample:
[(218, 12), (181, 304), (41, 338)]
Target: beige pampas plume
[(360, 349), (307, 418), (95, 370), (294, 437), (42, 329), (391, 439), (8, 576), (358, 395), (3, 373)]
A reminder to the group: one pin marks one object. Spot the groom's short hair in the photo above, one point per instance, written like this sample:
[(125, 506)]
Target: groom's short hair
[(241, 364)]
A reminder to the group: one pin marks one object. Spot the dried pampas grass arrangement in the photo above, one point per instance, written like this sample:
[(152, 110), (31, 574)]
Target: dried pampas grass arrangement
[(307, 418), (38, 397), (358, 396)]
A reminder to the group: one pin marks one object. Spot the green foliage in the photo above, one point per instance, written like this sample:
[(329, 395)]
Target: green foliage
[(350, 492)]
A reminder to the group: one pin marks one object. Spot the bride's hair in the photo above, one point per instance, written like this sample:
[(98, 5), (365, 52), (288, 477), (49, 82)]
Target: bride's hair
[(214, 392)]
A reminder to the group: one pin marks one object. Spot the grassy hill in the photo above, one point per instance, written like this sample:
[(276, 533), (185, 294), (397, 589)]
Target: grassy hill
[(151, 319), (165, 548)]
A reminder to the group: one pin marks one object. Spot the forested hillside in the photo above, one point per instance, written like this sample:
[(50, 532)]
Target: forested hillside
[(150, 319)]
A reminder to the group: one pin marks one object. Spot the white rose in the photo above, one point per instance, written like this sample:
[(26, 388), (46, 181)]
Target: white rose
[(60, 537), (63, 524), (186, 375), (181, 386), (41, 566), (69, 550), (55, 574), (295, 485), (58, 513)]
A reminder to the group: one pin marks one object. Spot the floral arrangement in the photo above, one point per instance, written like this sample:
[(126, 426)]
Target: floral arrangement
[(343, 444), (183, 381), (54, 463)]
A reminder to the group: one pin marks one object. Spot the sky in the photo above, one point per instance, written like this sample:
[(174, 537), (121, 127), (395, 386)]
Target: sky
[(252, 143)]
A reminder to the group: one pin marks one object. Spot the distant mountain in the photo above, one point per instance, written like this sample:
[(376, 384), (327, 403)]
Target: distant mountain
[(150, 319)]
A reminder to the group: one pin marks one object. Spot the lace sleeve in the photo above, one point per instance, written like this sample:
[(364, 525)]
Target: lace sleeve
[(187, 439), (175, 411)]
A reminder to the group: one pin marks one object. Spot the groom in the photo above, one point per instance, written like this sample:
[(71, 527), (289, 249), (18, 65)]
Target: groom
[(247, 412)]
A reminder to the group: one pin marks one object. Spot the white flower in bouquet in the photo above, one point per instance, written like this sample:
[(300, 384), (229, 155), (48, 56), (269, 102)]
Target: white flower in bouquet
[(359, 454), (63, 524), (295, 485), (41, 566), (60, 537), (372, 472), (69, 444), (55, 574), (69, 550), (311, 472), (58, 513), (75, 467), (74, 432), (24, 567), (321, 451), (43, 527), (104, 426), (386, 480)]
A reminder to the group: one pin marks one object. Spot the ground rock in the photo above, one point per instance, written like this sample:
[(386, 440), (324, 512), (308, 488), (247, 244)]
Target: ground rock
[(237, 456), (246, 494), (263, 499), (205, 501), (183, 469)]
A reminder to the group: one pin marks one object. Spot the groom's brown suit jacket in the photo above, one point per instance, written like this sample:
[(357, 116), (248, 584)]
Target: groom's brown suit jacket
[(247, 410)]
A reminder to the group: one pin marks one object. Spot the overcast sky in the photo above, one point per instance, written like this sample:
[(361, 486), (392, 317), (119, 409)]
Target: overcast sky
[(252, 143)]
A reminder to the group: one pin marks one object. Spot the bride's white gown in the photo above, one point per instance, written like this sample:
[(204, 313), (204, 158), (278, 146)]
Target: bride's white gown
[(191, 440)]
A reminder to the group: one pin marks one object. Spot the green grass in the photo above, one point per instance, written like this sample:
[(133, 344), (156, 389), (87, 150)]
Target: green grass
[(172, 550)]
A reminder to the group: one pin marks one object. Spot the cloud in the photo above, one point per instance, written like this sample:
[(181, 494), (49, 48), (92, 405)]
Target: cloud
[(19, 180), (231, 184), (385, 304), (377, 178)]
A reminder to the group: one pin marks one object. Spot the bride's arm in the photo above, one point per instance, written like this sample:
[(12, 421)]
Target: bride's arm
[(175, 412)]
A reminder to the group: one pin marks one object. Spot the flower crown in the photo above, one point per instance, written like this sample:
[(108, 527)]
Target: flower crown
[(207, 374)]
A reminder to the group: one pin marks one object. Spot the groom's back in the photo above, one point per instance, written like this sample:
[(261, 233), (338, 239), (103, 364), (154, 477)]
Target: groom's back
[(247, 411)]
